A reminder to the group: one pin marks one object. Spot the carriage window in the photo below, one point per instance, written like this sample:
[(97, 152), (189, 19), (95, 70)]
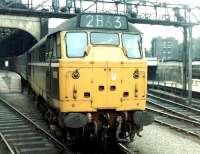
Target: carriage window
[(104, 38), (131, 43), (76, 44)]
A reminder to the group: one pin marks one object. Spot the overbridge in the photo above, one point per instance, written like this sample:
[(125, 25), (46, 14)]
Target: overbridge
[(30, 25), (19, 33)]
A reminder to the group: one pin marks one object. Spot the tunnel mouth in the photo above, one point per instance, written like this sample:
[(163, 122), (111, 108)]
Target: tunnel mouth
[(14, 42)]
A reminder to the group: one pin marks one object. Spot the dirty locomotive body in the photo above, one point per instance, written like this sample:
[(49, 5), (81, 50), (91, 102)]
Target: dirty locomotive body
[(90, 77)]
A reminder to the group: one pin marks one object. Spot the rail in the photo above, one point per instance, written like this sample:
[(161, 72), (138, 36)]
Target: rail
[(175, 115), (176, 122), (178, 97), (23, 135), (124, 148), (175, 108)]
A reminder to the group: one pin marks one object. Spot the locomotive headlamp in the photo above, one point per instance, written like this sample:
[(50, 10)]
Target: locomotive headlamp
[(75, 74), (136, 74)]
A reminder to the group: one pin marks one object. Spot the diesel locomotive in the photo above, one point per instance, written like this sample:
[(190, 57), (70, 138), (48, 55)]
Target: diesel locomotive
[(90, 77)]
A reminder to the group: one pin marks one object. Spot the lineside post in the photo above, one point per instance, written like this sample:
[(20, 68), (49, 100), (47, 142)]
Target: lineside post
[(190, 66), (185, 48)]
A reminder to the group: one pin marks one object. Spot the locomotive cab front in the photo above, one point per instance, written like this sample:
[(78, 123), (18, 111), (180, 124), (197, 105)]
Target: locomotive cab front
[(102, 70)]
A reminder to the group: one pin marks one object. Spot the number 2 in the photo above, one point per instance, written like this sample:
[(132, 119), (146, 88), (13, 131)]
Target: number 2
[(89, 20)]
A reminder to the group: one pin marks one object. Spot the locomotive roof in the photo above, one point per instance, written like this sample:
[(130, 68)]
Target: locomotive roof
[(74, 24)]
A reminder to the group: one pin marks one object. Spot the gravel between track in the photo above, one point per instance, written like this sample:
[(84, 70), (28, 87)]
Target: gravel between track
[(158, 139)]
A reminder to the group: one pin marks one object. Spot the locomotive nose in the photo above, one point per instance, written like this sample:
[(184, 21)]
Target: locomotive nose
[(103, 80)]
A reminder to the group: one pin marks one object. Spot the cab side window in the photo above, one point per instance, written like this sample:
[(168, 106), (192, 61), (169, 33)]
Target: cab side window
[(54, 47), (58, 46)]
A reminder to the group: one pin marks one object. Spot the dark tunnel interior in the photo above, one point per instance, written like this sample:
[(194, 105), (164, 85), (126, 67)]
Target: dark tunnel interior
[(14, 42)]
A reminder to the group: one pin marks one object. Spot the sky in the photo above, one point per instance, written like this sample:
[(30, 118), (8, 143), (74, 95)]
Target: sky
[(165, 31), (150, 31), (187, 2)]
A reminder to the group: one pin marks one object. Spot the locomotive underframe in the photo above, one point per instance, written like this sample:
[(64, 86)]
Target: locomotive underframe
[(104, 125)]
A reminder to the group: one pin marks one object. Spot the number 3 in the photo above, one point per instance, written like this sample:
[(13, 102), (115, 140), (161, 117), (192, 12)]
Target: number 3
[(118, 23)]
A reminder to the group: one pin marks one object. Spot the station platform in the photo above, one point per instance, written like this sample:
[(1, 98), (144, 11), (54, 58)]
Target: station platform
[(10, 82)]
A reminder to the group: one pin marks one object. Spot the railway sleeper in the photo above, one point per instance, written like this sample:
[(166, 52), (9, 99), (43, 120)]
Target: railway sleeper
[(30, 134), (23, 139), (16, 127), (31, 144), (49, 150), (16, 130), (12, 124)]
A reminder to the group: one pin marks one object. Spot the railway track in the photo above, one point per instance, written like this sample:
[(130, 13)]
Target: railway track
[(35, 116), (24, 136), (175, 108), (183, 100), (175, 115), (124, 149), (180, 124)]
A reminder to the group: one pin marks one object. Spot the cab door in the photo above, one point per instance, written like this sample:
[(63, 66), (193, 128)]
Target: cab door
[(114, 94), (114, 77), (99, 85), (107, 77)]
